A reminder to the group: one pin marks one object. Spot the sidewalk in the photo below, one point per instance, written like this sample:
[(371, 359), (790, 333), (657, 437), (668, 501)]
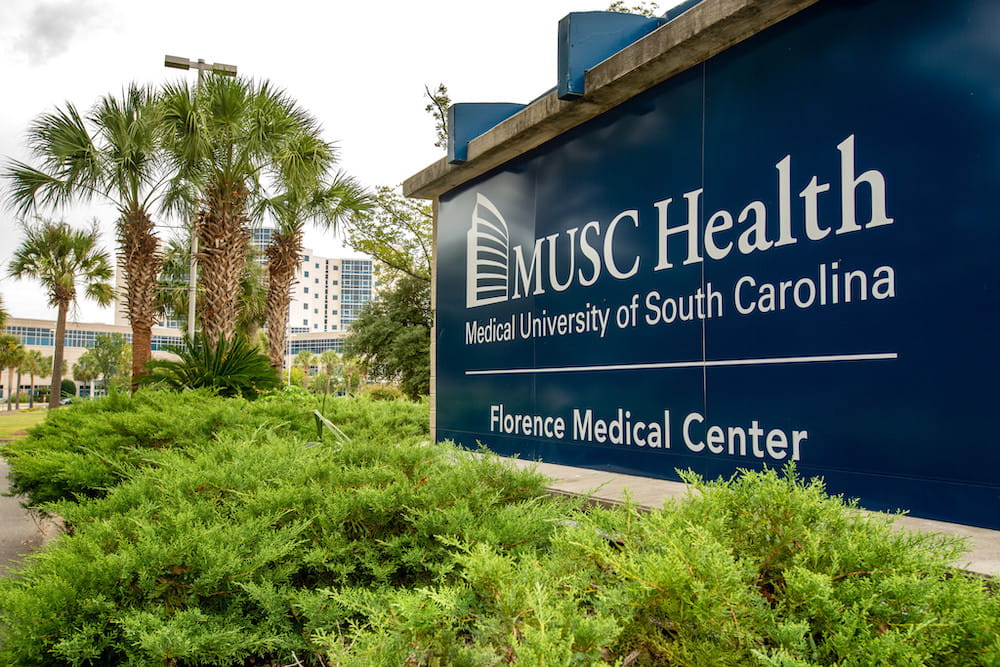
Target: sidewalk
[(22, 532), (609, 488)]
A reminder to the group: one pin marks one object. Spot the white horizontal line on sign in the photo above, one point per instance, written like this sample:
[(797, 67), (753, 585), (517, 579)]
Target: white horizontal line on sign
[(692, 364)]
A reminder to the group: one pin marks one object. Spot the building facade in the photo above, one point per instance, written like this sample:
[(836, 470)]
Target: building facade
[(328, 293), (41, 334)]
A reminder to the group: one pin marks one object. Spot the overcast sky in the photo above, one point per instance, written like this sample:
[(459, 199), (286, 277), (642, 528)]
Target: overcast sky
[(359, 67)]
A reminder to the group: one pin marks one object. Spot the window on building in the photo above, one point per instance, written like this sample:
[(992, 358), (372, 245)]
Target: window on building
[(335, 267), (306, 273), (305, 306), (334, 297), (335, 282), (305, 322), (305, 290), (333, 328), (316, 265), (317, 281)]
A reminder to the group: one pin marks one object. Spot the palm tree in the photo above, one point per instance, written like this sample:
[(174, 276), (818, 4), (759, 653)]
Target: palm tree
[(172, 290), (231, 137), (59, 257), (326, 204), (3, 314), (11, 351), (330, 362), (305, 359), (35, 364), (352, 369), (86, 370), (111, 154)]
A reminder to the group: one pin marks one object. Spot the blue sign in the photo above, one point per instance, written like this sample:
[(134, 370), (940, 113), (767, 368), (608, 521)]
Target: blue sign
[(787, 253)]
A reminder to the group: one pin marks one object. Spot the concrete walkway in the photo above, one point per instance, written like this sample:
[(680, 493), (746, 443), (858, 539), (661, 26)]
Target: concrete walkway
[(607, 487), (21, 532)]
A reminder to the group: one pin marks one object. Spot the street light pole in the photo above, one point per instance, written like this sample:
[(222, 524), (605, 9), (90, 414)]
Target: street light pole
[(225, 70)]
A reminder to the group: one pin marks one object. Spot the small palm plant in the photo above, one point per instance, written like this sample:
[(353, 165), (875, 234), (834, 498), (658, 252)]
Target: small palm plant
[(232, 367)]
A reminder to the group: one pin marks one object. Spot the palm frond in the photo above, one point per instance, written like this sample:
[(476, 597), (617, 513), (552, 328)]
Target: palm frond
[(231, 367)]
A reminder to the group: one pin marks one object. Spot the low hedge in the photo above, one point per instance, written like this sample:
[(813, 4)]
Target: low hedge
[(85, 449), (260, 545)]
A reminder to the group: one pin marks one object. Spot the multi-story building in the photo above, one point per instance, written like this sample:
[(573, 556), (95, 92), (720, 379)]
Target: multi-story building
[(329, 293)]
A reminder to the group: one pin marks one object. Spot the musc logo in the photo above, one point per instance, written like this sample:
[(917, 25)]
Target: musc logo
[(581, 255), (488, 250)]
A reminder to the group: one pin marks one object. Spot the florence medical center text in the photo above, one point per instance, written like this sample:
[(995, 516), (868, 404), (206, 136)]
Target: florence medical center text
[(624, 429), (828, 284)]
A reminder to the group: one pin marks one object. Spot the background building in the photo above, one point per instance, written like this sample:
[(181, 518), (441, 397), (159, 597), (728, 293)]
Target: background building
[(329, 293), (40, 335)]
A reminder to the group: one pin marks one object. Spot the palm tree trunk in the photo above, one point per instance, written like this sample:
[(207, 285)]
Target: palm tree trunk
[(224, 238), (17, 396), (141, 264), (282, 260), (57, 355), (10, 385), (31, 396)]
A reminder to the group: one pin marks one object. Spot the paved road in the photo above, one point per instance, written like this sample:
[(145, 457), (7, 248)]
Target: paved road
[(19, 532)]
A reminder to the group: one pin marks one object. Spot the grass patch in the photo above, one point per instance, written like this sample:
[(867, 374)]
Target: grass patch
[(13, 424)]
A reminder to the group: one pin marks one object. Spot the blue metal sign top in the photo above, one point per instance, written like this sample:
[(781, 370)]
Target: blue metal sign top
[(786, 254)]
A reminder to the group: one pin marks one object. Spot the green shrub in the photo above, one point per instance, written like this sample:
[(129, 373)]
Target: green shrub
[(382, 392), (85, 449), (761, 569), (224, 550), (225, 532), (230, 367)]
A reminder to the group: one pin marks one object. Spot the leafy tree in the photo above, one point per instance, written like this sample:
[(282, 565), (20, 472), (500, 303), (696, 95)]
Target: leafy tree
[(644, 8), (110, 154), (11, 352), (230, 367), (228, 139), (398, 232), (109, 356), (324, 203), (438, 107), (60, 257), (392, 336)]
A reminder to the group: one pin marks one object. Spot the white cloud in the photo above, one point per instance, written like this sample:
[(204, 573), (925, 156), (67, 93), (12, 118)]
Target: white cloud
[(52, 27)]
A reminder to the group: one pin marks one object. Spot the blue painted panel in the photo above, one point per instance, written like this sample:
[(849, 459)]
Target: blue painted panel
[(826, 290), (679, 9), (467, 120), (587, 38)]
